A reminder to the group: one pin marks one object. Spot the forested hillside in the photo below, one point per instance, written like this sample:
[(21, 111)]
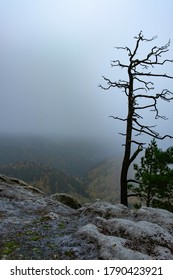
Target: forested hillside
[(46, 178), (72, 156), (78, 167), (103, 180)]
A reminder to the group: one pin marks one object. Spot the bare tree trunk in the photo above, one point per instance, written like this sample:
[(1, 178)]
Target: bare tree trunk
[(148, 198), (127, 152), (125, 164), (123, 182)]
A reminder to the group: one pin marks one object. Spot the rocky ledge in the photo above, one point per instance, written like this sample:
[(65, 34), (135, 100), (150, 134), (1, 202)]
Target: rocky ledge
[(36, 226)]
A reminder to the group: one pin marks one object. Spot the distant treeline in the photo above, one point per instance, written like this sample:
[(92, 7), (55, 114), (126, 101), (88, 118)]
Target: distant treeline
[(45, 177), (74, 157), (61, 165)]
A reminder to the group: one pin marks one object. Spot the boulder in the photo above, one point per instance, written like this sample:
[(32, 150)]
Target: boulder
[(67, 200)]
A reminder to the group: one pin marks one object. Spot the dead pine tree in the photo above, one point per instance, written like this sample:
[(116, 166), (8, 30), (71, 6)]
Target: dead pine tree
[(140, 96)]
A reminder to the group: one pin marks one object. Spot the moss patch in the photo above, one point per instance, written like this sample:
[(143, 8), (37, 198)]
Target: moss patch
[(9, 247)]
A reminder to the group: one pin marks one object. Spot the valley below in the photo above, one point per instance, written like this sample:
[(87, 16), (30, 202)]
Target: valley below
[(86, 169)]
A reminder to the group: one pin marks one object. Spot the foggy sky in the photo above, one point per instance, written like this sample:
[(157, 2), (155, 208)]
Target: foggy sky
[(53, 54)]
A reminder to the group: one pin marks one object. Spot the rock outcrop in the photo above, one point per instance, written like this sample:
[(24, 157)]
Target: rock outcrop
[(36, 226), (67, 200)]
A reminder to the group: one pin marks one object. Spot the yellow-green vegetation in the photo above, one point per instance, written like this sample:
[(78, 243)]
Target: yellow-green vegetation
[(70, 254), (35, 236), (36, 250), (9, 247), (46, 226), (61, 225)]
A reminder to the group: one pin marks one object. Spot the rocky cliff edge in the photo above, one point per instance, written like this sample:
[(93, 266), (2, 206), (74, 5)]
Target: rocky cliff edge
[(36, 226)]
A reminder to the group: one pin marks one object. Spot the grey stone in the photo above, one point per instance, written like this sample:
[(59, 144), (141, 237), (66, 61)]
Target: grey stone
[(37, 226)]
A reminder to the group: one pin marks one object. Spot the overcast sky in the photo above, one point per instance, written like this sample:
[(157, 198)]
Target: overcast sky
[(53, 54)]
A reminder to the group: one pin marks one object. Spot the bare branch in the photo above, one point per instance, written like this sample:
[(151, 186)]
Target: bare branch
[(144, 107), (145, 129), (152, 133), (136, 73), (146, 96), (164, 95), (144, 39), (133, 181), (137, 115), (125, 48), (138, 143), (165, 136), (153, 56), (119, 84), (151, 63), (134, 194), (139, 38), (140, 88), (115, 63), (117, 118), (123, 134), (135, 154), (143, 126), (145, 83)]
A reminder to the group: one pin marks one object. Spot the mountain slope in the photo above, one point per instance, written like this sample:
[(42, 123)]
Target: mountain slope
[(103, 180), (72, 156), (48, 179)]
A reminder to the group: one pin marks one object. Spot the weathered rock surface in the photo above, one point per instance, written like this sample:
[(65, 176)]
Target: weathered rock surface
[(67, 200), (36, 226)]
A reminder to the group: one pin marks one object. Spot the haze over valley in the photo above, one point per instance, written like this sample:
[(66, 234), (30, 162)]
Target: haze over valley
[(74, 166), (54, 116)]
